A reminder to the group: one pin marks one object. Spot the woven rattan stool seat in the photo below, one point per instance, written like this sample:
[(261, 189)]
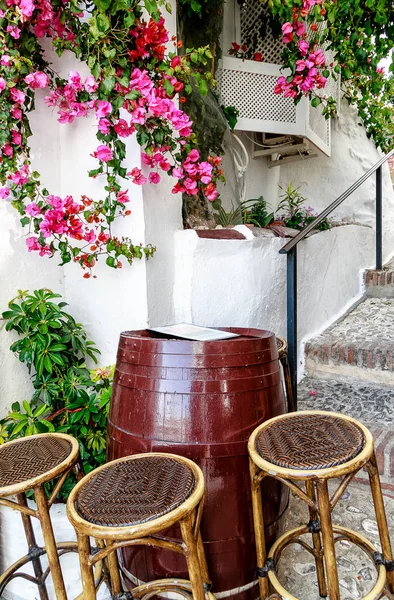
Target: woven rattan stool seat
[(310, 441), (30, 457), (136, 491)]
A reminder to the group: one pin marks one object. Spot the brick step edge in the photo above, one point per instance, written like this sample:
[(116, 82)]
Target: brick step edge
[(378, 278), (350, 355)]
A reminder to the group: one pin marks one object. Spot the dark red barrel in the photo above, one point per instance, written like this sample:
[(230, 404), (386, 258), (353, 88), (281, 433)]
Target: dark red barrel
[(201, 400)]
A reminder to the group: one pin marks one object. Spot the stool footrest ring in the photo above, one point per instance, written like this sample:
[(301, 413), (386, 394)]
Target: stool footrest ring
[(180, 586), (33, 553), (342, 533)]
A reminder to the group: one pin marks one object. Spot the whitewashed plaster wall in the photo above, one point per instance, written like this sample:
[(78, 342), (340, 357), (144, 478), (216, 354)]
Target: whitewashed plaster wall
[(243, 282), (352, 154), (20, 270)]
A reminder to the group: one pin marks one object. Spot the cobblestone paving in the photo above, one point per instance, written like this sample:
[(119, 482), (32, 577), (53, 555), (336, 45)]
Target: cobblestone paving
[(370, 324), (357, 575), (370, 403)]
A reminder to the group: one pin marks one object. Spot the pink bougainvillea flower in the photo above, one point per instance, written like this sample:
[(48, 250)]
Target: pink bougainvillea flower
[(154, 177), (4, 192), (16, 137), (17, 113), (14, 31), (211, 192), (2, 84), (75, 81), (104, 126), (33, 210), (193, 155), (17, 95), (103, 153), (137, 176), (32, 243), (190, 186), (26, 7), (104, 108), (122, 197), (178, 173), (5, 60), (37, 80), (205, 170), (7, 150), (147, 160), (303, 47), (90, 236), (122, 128), (90, 84), (300, 28), (313, 393)]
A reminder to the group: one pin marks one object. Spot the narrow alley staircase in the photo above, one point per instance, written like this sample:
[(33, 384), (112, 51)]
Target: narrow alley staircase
[(350, 367)]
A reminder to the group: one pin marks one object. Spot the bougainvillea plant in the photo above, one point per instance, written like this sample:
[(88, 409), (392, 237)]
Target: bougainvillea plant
[(132, 90), (360, 34)]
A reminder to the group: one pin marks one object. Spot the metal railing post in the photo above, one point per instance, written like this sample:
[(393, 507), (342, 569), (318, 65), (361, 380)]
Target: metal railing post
[(292, 319), (379, 219)]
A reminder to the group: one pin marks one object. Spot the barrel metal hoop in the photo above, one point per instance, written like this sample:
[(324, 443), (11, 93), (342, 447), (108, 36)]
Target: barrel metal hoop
[(314, 526), (379, 560), (269, 566)]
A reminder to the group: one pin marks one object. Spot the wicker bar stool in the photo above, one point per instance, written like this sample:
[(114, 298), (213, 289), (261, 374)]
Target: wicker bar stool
[(128, 502), (27, 464), (283, 349), (311, 447)]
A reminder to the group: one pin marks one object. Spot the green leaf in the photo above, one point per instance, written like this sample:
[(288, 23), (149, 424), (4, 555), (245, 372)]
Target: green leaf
[(110, 261), (108, 84), (103, 4), (315, 102), (40, 410)]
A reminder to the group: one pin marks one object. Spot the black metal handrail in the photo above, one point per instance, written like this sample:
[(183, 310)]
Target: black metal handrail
[(291, 250)]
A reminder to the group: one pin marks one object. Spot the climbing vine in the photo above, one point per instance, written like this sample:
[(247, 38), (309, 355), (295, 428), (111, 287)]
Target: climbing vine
[(360, 33), (131, 90)]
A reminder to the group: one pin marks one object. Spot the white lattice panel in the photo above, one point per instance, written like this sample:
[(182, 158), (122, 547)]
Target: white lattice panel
[(256, 32), (252, 94)]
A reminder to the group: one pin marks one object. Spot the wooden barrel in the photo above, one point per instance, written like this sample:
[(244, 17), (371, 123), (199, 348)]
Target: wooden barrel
[(201, 400)]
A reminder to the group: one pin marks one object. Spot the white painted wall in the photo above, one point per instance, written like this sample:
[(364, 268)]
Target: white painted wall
[(323, 179), (20, 270), (243, 282)]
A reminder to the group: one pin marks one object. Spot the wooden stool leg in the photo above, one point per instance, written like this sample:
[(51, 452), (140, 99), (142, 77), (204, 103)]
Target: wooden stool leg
[(289, 388), (317, 545), (50, 543), (87, 575), (381, 519), (32, 545), (258, 520), (113, 567), (328, 540), (192, 557)]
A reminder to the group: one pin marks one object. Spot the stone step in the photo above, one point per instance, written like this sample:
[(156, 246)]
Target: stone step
[(380, 284), (358, 346)]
